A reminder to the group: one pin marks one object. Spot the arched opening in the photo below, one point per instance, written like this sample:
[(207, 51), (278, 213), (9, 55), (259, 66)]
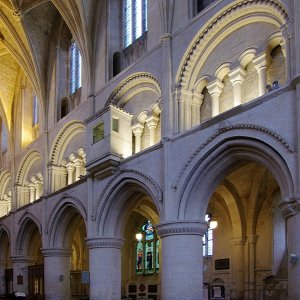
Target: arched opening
[(243, 191), (6, 270), (29, 267), (68, 233), (141, 252)]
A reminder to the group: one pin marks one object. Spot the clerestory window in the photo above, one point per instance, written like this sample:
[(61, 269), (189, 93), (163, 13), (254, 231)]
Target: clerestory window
[(35, 111), (75, 68), (135, 20)]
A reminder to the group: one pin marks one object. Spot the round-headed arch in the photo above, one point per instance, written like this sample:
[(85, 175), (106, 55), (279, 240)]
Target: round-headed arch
[(119, 196), (60, 225), (65, 135), (218, 27), (219, 161), (25, 166), (132, 85)]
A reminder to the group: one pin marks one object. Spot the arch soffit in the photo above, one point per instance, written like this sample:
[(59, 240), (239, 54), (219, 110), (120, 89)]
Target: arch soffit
[(132, 85), (26, 222), (235, 210), (4, 230), (217, 28), (220, 159), (62, 208), (67, 133), (110, 199), (24, 168)]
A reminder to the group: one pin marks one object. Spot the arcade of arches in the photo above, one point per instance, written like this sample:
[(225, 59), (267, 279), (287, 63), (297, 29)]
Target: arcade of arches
[(149, 149)]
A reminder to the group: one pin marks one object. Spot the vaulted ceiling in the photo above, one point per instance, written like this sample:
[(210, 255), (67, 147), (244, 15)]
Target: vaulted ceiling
[(27, 29)]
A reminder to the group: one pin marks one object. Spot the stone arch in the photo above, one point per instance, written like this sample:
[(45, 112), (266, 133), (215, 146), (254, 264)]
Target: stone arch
[(111, 208), (222, 159), (5, 177), (68, 209), (62, 139), (24, 168), (5, 231), (28, 224), (131, 86), (218, 27)]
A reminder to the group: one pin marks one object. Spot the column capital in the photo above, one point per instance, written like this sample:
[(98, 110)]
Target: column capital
[(237, 75), (252, 238), (137, 128), (56, 252), (104, 242), (152, 121), (181, 228), (20, 259), (290, 206), (260, 61), (215, 87), (197, 98), (70, 166)]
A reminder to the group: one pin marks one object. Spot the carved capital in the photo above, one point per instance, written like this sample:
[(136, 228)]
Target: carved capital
[(290, 206), (239, 241), (104, 242), (237, 75), (260, 61), (56, 252), (215, 87), (18, 14), (181, 228), (137, 129)]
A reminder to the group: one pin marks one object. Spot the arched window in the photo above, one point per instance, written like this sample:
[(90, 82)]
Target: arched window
[(3, 138), (35, 111), (75, 68), (147, 250), (208, 239), (135, 20)]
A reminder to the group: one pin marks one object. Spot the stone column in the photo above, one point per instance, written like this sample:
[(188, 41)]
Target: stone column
[(291, 210), (79, 166), (239, 266), (20, 270), (260, 63), (152, 122), (57, 262), (237, 77), (197, 102), (215, 89), (105, 268), (137, 130), (252, 239), (31, 192), (70, 169), (182, 260)]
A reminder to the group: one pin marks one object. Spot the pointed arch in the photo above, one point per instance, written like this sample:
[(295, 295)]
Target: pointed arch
[(5, 177)]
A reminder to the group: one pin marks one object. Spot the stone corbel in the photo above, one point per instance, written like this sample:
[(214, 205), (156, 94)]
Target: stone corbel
[(290, 206)]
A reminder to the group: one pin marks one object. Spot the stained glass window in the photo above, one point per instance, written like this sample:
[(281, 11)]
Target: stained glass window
[(147, 251), (207, 239), (135, 20), (75, 68), (35, 111)]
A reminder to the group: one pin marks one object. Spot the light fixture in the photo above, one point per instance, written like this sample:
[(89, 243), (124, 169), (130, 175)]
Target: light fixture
[(139, 236), (213, 224)]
